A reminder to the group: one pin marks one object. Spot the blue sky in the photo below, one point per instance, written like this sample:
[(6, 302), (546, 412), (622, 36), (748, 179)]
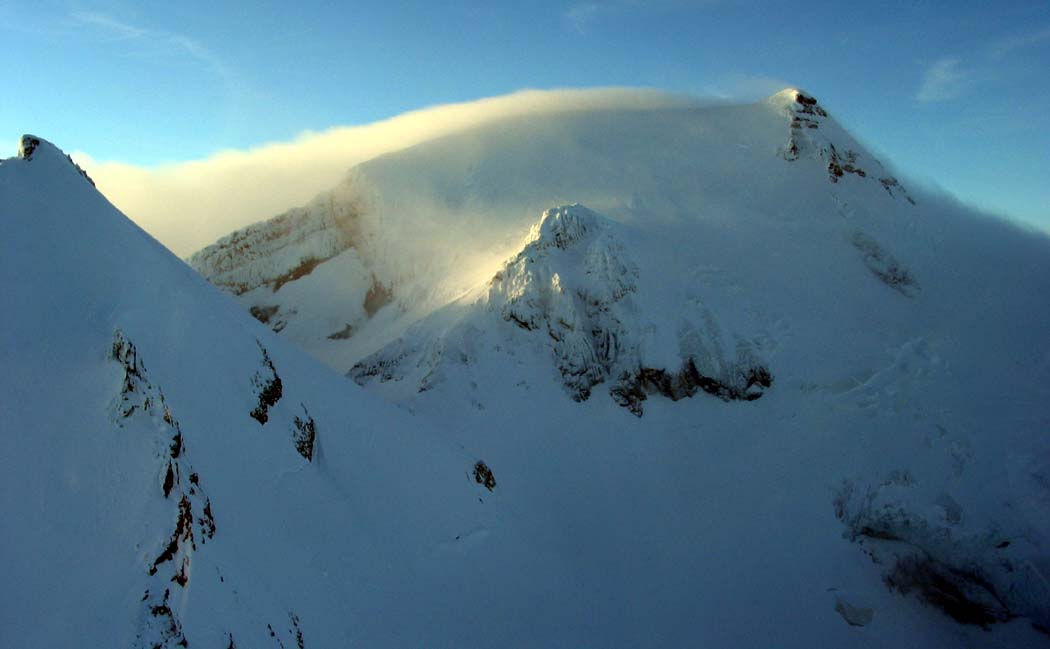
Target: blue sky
[(955, 93)]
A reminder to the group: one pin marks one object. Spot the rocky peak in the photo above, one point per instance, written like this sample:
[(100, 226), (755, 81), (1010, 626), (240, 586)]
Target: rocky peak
[(30, 145), (27, 145), (562, 226), (813, 134), (798, 100)]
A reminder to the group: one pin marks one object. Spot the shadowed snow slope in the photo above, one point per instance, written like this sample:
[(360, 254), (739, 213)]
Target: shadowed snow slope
[(145, 501), (868, 368)]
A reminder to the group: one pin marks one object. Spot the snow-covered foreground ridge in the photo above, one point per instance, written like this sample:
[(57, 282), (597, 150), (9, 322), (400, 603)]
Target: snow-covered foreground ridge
[(175, 475), (864, 460)]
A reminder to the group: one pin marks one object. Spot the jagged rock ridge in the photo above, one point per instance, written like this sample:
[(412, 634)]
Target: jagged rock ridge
[(809, 138), (265, 266)]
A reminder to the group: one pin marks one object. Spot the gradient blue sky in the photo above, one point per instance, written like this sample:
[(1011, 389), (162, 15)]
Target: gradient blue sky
[(953, 93)]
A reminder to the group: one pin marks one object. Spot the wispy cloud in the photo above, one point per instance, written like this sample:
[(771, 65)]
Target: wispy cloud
[(947, 77), (156, 41), (114, 27), (943, 80), (1009, 45), (579, 15), (582, 14), (190, 204), (746, 87)]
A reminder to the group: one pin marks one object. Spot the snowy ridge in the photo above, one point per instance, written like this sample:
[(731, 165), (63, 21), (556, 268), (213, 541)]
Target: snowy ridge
[(156, 506), (29, 144), (813, 135)]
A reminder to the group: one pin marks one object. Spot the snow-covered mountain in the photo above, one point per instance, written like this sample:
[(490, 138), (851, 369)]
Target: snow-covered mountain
[(701, 375), (421, 227), (868, 363)]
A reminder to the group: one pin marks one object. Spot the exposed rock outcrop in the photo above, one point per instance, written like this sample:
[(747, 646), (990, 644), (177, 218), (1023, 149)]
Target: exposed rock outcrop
[(812, 134), (883, 265), (483, 475), (744, 384), (975, 577), (194, 521), (268, 266), (28, 145), (280, 250), (304, 434), (582, 319), (268, 387)]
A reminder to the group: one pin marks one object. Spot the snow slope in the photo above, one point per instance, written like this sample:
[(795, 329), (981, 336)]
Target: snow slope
[(171, 473), (864, 460)]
